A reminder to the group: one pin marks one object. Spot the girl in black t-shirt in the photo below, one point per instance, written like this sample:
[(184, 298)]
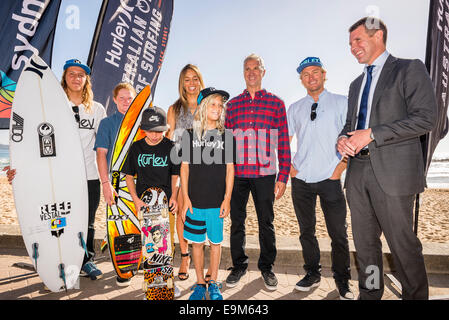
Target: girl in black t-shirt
[(207, 172)]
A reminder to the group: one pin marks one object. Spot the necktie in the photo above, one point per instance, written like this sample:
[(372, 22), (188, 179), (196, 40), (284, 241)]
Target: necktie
[(364, 101)]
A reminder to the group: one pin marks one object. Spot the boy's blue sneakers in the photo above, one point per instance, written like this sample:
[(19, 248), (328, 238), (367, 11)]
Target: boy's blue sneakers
[(199, 292), (214, 290)]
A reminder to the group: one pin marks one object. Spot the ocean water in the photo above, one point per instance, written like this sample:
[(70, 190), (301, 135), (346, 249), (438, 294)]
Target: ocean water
[(4, 157), (437, 176)]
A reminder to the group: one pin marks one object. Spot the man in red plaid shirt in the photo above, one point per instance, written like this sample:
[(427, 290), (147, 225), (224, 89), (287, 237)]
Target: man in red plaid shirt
[(259, 122)]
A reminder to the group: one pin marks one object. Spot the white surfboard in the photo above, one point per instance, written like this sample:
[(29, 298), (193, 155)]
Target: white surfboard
[(50, 185)]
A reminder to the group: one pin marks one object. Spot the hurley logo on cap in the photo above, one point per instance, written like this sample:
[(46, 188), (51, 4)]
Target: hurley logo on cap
[(307, 62)]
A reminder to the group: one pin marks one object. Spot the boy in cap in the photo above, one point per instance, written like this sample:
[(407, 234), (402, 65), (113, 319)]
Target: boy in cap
[(160, 172), (149, 159), (207, 177)]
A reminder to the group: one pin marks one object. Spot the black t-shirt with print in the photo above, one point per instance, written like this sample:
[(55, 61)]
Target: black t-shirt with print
[(207, 160), (152, 164)]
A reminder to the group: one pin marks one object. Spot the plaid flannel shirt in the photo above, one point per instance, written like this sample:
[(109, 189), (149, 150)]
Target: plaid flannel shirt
[(260, 129)]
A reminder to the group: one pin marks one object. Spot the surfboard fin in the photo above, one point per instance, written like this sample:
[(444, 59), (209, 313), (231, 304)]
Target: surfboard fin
[(104, 243), (62, 275), (82, 243), (35, 247)]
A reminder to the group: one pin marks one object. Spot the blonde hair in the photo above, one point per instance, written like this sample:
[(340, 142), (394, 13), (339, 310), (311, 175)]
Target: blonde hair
[(182, 100), (123, 85), (88, 95), (200, 120)]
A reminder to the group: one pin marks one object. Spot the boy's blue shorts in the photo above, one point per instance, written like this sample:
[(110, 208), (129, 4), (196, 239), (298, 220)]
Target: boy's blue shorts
[(204, 222)]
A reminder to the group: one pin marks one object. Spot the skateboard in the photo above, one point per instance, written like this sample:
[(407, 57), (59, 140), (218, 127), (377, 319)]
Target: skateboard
[(157, 246)]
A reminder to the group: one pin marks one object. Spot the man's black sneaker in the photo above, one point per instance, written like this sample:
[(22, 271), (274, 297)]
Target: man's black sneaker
[(270, 280), (344, 290), (234, 277), (310, 281)]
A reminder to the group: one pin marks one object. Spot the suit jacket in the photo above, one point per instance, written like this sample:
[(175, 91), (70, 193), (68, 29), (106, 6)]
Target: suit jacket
[(403, 108)]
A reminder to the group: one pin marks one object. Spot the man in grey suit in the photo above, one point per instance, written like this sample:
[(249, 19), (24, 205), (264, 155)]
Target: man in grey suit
[(389, 107)]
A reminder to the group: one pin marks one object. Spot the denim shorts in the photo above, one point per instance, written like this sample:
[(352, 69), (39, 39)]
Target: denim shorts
[(204, 222)]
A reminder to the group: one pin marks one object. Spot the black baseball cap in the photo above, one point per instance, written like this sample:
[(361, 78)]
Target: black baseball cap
[(211, 90), (154, 119)]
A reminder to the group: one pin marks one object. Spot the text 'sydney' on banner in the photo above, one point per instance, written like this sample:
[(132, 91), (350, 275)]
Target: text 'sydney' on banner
[(27, 28)]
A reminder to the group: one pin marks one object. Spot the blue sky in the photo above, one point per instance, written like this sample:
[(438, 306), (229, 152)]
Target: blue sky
[(217, 35)]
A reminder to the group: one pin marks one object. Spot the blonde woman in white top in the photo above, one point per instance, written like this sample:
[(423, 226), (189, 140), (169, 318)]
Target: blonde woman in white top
[(179, 118)]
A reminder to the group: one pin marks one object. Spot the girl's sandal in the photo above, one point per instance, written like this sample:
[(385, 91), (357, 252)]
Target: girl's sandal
[(184, 275)]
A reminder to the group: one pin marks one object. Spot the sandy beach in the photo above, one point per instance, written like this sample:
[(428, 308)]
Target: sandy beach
[(433, 215)]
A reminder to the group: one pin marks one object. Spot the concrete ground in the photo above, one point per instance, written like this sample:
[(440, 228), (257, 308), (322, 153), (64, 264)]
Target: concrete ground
[(18, 283)]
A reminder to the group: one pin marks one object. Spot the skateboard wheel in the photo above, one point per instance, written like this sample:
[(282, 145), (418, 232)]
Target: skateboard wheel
[(170, 283)]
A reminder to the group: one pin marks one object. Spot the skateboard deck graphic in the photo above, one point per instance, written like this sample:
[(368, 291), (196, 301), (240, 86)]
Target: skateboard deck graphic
[(157, 246)]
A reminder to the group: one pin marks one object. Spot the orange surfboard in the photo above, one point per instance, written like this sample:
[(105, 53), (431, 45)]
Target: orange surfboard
[(123, 227)]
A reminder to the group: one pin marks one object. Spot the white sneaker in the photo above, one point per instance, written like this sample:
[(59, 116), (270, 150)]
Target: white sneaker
[(177, 292)]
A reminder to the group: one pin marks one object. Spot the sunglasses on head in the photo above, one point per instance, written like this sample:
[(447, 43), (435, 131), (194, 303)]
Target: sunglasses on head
[(76, 110), (313, 111)]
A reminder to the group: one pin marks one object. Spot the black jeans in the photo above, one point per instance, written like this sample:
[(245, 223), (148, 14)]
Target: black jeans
[(262, 191), (93, 189), (333, 203)]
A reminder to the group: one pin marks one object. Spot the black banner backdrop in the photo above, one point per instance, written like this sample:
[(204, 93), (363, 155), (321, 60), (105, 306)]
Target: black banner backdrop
[(128, 46), (27, 27), (437, 62)]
